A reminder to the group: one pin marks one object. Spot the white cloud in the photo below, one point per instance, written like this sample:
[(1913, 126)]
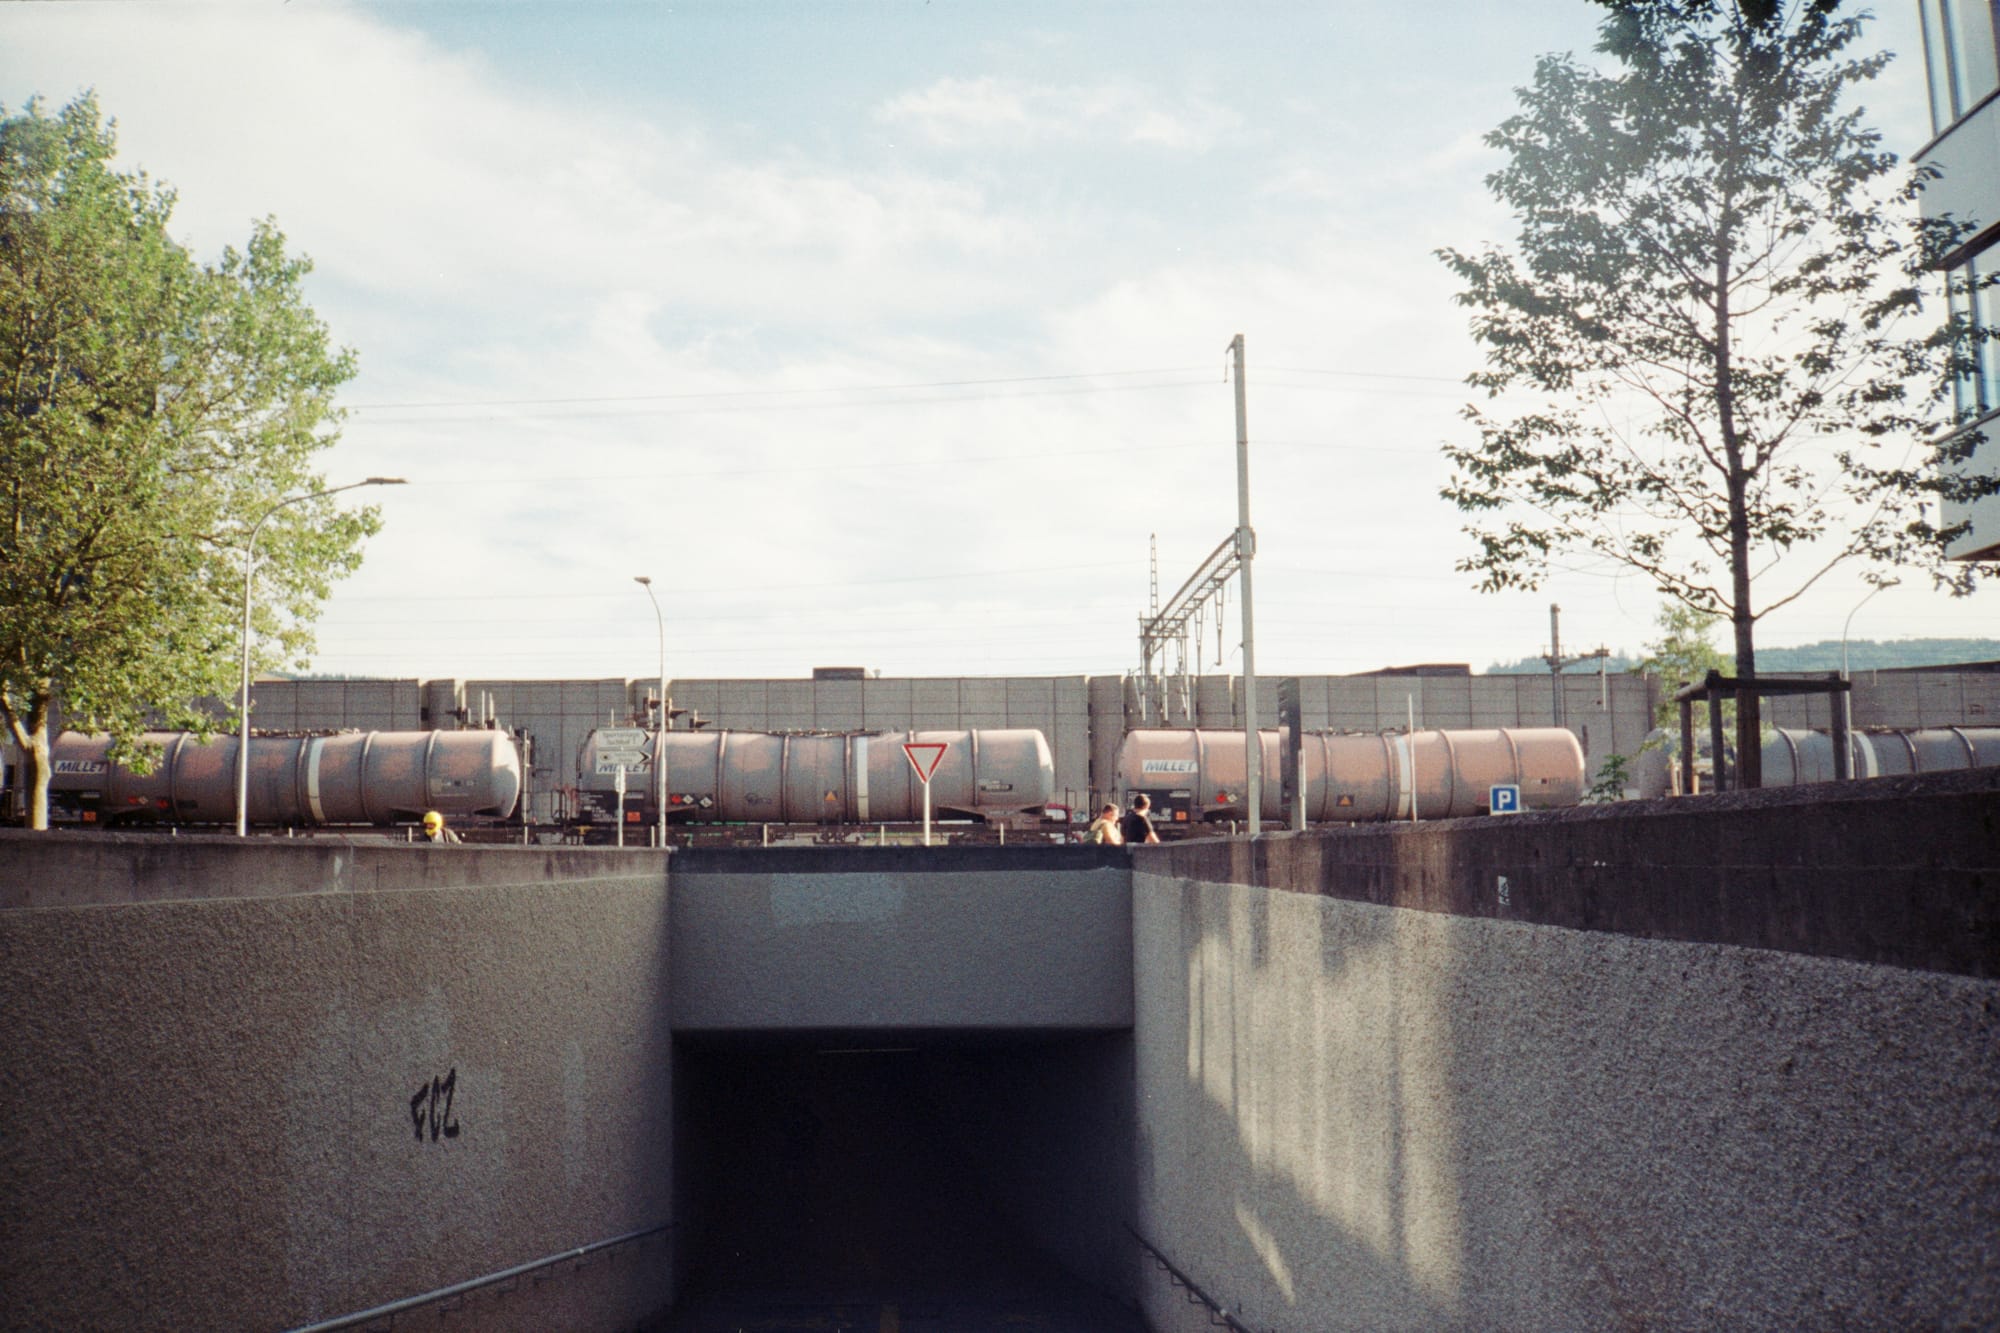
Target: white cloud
[(414, 173), (480, 240), (989, 111)]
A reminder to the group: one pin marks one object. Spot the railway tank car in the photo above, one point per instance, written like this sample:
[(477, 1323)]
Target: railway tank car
[(1199, 776), (1792, 757), (354, 777), (1795, 756), (850, 778)]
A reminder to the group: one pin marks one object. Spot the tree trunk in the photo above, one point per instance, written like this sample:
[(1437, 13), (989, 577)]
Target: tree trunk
[(1749, 728), (1749, 752), (37, 752), (1749, 705), (31, 733)]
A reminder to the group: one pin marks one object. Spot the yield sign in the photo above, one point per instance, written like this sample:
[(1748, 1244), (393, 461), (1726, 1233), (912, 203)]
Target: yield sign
[(924, 756)]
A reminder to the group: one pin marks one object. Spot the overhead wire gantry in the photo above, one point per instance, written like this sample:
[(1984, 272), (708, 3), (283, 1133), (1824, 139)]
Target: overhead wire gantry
[(1168, 625)]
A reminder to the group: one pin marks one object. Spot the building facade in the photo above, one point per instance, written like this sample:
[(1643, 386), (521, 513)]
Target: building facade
[(1962, 60)]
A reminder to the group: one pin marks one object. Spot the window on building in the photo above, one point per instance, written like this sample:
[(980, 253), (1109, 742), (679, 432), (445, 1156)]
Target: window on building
[(1959, 53), (1973, 289)]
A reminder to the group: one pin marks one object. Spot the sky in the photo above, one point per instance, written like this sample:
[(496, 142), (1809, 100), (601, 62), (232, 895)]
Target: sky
[(885, 334)]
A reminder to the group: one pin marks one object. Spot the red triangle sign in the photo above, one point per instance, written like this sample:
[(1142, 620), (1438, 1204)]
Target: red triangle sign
[(924, 756)]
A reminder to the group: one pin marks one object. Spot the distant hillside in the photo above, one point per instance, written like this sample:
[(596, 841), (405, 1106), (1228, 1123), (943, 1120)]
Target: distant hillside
[(1535, 666), (1862, 655)]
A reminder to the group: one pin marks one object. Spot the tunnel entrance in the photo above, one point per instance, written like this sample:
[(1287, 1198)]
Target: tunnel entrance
[(917, 1181)]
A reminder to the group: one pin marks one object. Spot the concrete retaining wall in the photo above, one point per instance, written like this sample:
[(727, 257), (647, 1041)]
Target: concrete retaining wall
[(257, 1085), (1373, 1094), (1722, 1061)]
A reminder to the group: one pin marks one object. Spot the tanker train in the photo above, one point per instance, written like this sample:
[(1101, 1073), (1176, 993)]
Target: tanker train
[(1192, 777), (1807, 756), (354, 777), (1792, 757), (763, 778), (1001, 776), (1196, 777)]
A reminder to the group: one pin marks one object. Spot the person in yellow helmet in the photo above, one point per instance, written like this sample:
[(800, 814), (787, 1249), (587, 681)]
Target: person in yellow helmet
[(435, 831)]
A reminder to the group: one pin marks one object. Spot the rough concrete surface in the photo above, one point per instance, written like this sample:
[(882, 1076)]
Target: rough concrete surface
[(263, 1110), (1727, 1062), (1355, 1116), (833, 944), (1903, 871)]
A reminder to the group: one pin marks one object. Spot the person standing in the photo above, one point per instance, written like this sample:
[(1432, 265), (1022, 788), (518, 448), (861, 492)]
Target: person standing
[(435, 831), (1137, 826), (1104, 829)]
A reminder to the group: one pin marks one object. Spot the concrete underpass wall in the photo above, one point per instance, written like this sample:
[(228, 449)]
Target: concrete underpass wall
[(255, 1085), (926, 938), (1006, 975), (1724, 1062)]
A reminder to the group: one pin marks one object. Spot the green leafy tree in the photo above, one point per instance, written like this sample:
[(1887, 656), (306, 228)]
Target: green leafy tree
[(1684, 655), (1707, 355), (152, 409)]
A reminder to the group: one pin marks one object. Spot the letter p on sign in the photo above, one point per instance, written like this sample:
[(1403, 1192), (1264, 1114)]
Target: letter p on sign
[(1503, 799)]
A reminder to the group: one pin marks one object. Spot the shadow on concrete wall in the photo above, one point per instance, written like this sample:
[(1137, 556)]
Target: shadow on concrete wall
[(1285, 1174), (1359, 1116)]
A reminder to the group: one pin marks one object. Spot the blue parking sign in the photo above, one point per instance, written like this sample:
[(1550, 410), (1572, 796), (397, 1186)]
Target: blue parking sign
[(1503, 798)]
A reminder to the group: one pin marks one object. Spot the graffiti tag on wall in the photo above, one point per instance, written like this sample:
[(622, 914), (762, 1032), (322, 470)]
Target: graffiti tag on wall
[(432, 1107)]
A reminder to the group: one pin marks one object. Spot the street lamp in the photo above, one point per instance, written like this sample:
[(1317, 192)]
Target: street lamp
[(249, 558), (659, 736), (1847, 695)]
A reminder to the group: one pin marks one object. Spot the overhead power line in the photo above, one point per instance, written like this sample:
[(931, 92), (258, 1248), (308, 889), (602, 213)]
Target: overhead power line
[(726, 394), (565, 595), (742, 396), (1366, 375), (866, 464)]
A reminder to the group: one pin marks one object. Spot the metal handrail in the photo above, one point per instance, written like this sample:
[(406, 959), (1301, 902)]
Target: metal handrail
[(393, 1308), (1218, 1315)]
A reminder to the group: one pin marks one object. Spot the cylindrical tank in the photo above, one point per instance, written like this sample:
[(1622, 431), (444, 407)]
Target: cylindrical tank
[(353, 777), (764, 777), (1792, 757), (1192, 776)]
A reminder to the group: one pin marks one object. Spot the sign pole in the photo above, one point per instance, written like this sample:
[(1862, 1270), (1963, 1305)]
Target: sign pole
[(924, 757)]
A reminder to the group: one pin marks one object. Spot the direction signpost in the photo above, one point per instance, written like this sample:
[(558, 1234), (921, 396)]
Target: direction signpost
[(924, 756), (628, 748)]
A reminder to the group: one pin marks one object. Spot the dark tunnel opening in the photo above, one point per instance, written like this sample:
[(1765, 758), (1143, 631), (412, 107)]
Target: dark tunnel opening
[(944, 1178)]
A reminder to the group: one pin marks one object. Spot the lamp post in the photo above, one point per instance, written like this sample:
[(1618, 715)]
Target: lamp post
[(659, 736), (249, 562), (1847, 695)]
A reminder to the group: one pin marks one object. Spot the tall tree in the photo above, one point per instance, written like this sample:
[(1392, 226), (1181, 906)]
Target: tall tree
[(1708, 356), (152, 409)]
